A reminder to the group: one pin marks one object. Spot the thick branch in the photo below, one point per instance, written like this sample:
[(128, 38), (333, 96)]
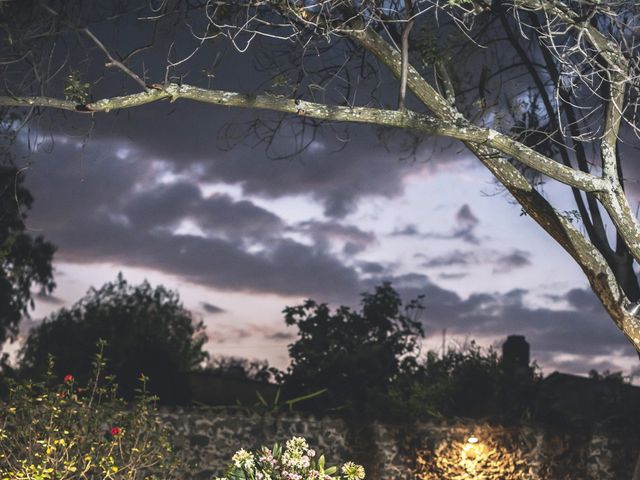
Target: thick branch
[(389, 118), (601, 277), (406, 30), (612, 120)]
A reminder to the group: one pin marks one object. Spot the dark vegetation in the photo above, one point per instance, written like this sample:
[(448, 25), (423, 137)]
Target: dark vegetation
[(362, 362), (25, 260), (146, 331)]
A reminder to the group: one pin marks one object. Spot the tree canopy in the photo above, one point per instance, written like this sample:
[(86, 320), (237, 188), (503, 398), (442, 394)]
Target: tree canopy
[(539, 91), (355, 355), (147, 332), (25, 260)]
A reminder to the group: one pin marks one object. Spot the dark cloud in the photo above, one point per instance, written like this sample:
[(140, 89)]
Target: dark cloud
[(112, 208), (502, 262), (508, 262), (584, 300), (466, 218), (281, 336), (372, 267), (166, 205), (211, 308), (409, 230), (452, 275), (335, 176), (353, 239), (452, 259), (466, 223), (237, 219), (163, 205)]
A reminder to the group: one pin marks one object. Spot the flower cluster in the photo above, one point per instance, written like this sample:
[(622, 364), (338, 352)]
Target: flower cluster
[(52, 431), (296, 461)]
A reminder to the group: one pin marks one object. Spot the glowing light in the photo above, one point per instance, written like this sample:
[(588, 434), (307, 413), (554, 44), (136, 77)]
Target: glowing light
[(472, 440)]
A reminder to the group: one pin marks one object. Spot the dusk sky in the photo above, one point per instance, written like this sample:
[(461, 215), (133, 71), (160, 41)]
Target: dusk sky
[(240, 235)]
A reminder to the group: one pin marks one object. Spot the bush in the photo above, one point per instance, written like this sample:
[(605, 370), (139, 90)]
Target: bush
[(60, 430), (147, 328), (295, 462)]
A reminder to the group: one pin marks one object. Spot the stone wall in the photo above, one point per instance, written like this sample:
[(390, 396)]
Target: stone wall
[(208, 437)]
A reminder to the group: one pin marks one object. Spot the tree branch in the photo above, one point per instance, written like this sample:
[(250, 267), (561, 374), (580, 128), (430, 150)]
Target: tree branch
[(591, 261), (112, 61), (390, 118), (406, 30)]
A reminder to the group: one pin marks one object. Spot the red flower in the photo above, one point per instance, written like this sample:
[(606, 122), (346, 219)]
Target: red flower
[(115, 431), (68, 378)]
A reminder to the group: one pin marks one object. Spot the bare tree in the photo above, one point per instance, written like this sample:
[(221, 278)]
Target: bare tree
[(539, 91)]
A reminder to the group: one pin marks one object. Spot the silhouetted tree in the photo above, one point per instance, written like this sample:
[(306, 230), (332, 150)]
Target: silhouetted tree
[(25, 261), (354, 354), (147, 331)]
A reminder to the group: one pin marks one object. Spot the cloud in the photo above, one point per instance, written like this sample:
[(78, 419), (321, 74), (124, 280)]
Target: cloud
[(466, 223), (452, 259), (583, 300), (503, 262), (466, 218), (372, 267), (339, 182), (409, 230), (281, 336), (585, 334), (352, 239), (125, 209), (212, 309), (452, 275)]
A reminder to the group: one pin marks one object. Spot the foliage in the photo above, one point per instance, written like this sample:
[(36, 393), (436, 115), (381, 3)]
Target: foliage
[(147, 330), (62, 430), (466, 382), (463, 382), (278, 404), (295, 461), (75, 89), (354, 354), (258, 370), (25, 261)]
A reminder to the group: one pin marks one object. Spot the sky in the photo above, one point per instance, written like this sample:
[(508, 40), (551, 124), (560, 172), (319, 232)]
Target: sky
[(240, 236), (160, 193)]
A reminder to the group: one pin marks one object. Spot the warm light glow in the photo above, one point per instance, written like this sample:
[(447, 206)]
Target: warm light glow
[(488, 455)]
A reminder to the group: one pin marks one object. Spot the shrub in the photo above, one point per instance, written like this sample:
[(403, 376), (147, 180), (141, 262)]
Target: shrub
[(60, 430), (295, 462)]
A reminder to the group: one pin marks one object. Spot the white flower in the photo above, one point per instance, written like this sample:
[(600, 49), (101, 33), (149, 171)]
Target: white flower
[(297, 444), (353, 471), (243, 459)]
